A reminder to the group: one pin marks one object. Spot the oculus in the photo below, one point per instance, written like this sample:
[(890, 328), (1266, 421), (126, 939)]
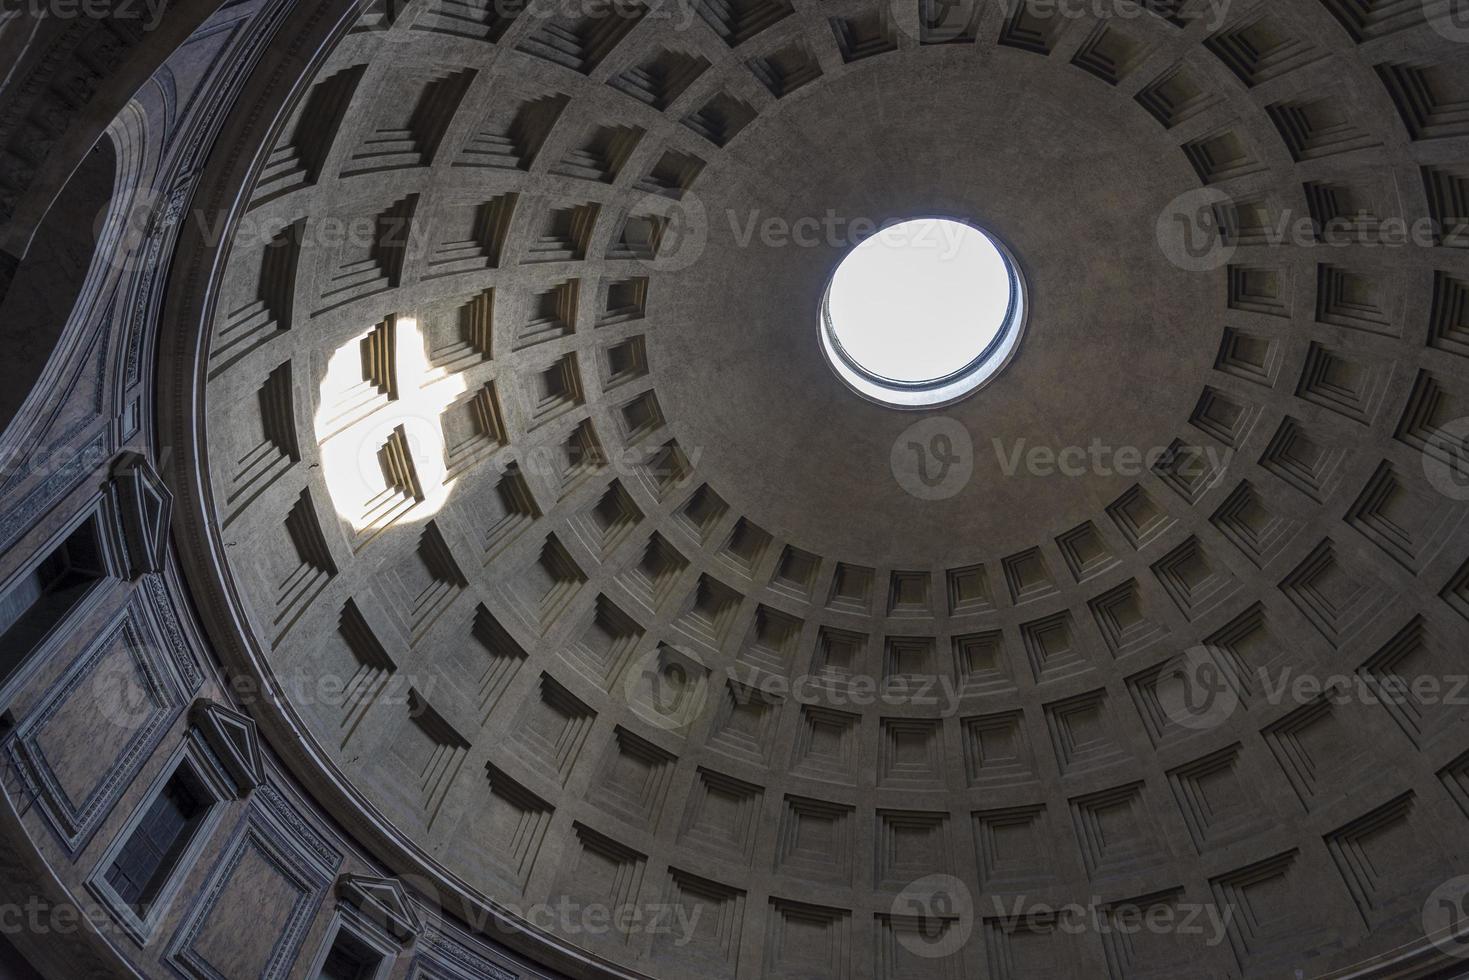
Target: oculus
[(923, 313)]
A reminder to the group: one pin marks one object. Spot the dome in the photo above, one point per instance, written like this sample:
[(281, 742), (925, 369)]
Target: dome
[(477, 509)]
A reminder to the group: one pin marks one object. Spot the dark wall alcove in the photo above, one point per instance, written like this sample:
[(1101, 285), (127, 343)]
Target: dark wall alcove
[(38, 292)]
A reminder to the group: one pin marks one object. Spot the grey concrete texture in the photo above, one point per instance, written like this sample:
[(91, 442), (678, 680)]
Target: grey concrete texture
[(506, 458)]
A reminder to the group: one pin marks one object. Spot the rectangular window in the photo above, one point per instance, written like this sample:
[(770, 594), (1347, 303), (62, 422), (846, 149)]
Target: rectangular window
[(350, 959), (32, 606), (158, 840)]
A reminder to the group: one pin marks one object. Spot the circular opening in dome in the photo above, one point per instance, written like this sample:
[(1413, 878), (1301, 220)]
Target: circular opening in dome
[(923, 313)]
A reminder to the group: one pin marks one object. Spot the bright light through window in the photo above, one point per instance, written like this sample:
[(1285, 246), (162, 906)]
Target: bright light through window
[(922, 313), (382, 444)]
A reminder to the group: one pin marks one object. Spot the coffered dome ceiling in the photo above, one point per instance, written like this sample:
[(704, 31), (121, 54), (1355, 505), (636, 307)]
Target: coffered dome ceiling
[(518, 428)]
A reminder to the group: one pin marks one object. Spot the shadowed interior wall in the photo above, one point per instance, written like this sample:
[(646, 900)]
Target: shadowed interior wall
[(35, 307)]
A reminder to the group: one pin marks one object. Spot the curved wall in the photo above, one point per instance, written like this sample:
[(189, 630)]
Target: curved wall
[(525, 556)]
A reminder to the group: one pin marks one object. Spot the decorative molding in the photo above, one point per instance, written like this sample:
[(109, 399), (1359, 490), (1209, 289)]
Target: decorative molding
[(144, 508), (268, 799), (259, 839), (231, 740), (180, 649), (47, 766), (442, 957), (41, 498), (382, 901)]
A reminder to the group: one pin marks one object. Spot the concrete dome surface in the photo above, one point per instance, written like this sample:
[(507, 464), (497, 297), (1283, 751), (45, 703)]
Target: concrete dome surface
[(435, 543)]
